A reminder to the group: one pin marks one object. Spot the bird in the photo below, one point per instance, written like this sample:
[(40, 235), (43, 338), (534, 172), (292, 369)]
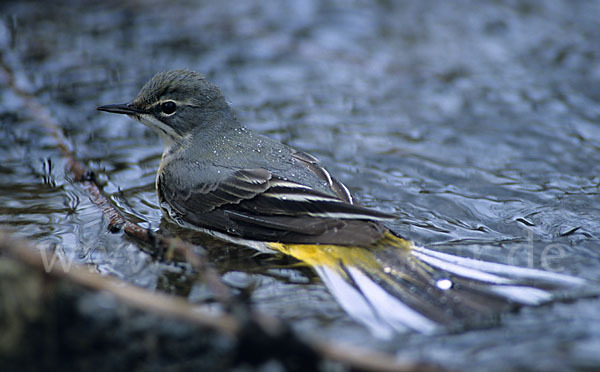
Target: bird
[(220, 178)]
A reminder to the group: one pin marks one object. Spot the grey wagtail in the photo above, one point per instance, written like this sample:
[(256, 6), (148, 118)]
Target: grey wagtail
[(222, 179)]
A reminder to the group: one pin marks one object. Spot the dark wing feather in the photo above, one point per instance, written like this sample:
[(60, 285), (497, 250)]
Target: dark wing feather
[(255, 204), (313, 164), (207, 197), (308, 230), (289, 199)]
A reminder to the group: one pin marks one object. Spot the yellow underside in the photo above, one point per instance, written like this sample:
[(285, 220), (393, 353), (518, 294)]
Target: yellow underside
[(332, 255)]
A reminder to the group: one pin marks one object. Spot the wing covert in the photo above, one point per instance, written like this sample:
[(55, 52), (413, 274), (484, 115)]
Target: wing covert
[(257, 204), (206, 197)]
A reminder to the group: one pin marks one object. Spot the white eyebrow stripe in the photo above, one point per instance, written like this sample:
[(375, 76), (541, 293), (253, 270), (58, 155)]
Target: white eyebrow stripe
[(187, 102)]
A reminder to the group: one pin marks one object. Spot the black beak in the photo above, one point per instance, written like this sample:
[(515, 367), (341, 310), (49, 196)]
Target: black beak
[(121, 108)]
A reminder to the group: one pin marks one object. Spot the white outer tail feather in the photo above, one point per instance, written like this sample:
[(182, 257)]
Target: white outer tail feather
[(401, 316), (356, 304), (386, 315), (506, 271)]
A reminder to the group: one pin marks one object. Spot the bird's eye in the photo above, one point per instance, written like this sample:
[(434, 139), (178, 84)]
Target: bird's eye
[(168, 107)]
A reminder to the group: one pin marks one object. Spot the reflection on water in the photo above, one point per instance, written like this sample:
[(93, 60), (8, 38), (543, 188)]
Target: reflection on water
[(476, 125)]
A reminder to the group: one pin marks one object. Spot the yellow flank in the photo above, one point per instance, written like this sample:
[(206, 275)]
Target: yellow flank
[(332, 256)]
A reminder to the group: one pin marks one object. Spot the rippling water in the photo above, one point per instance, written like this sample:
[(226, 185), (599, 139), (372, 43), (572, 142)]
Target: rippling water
[(478, 124)]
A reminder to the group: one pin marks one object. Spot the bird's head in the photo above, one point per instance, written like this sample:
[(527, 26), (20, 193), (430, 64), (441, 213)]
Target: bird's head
[(174, 103)]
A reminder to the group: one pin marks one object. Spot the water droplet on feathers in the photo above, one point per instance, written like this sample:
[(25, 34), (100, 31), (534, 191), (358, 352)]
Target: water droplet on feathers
[(444, 284)]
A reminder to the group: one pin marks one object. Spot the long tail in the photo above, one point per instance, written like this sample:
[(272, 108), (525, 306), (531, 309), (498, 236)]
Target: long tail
[(396, 285)]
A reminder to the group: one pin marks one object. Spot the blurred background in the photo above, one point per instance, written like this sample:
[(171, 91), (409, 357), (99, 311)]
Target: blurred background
[(477, 123)]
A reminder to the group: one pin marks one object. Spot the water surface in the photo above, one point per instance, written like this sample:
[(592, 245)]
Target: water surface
[(476, 123)]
